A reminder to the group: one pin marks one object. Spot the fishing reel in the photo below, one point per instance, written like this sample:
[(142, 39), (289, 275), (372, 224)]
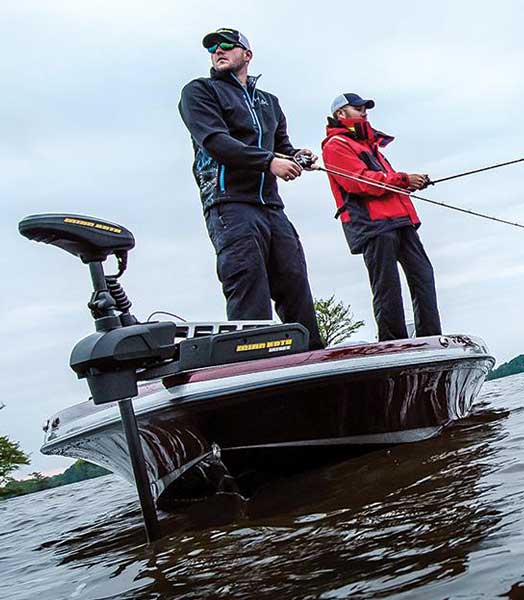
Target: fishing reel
[(303, 160)]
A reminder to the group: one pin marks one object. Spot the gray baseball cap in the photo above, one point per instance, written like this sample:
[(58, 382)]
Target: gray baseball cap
[(352, 100), (225, 34)]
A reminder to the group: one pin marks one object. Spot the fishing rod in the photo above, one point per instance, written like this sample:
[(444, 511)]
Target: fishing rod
[(304, 162), (498, 165)]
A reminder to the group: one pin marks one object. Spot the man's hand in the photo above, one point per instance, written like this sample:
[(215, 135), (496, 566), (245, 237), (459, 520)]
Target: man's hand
[(307, 152), (418, 182), (285, 169)]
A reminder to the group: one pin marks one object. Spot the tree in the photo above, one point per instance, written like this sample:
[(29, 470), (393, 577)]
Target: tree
[(335, 320), (78, 471), (11, 458)]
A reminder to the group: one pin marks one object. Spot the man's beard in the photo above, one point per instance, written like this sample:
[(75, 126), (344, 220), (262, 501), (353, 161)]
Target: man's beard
[(231, 67)]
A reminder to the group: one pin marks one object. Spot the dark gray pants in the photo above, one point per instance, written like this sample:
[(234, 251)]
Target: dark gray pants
[(259, 258), (381, 255)]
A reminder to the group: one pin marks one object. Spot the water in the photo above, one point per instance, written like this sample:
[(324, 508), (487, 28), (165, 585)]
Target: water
[(439, 519)]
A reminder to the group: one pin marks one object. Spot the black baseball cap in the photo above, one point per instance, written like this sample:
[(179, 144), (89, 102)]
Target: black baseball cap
[(224, 34), (352, 100)]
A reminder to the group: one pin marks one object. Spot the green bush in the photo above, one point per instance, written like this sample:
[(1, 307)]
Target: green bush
[(335, 320)]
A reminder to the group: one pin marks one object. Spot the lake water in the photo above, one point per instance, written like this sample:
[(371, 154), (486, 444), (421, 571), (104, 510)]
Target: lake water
[(433, 520)]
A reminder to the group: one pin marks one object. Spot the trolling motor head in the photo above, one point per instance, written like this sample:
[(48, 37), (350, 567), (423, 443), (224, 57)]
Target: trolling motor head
[(92, 240), (111, 357)]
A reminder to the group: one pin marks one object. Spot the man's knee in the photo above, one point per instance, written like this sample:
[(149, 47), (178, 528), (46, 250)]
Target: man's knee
[(287, 259)]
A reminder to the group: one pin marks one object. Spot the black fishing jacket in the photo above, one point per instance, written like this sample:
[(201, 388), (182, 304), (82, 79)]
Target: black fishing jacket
[(235, 131)]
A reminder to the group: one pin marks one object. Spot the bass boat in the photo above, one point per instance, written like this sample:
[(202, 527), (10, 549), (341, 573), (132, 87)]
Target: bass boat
[(215, 405)]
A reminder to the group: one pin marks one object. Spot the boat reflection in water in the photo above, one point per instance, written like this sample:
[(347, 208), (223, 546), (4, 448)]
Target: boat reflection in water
[(412, 518), (398, 519)]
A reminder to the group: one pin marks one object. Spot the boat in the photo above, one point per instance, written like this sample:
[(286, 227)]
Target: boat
[(218, 404), (266, 413)]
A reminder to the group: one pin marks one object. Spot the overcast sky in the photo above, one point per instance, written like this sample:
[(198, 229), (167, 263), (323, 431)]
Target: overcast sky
[(89, 124)]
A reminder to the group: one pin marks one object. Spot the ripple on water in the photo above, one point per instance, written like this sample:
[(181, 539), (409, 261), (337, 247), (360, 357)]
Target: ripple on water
[(437, 519)]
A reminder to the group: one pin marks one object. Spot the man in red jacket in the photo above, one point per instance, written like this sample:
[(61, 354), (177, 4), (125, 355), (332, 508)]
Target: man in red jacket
[(379, 223)]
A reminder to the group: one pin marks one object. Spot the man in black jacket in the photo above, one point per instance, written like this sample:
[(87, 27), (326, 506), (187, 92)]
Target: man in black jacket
[(236, 130)]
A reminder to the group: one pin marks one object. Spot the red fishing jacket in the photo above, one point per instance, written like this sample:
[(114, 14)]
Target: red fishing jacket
[(352, 147)]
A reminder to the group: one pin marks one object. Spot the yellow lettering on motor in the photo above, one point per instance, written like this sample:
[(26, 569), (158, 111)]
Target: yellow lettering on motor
[(79, 222), (107, 228), (263, 345), (83, 223), (246, 347), (278, 343)]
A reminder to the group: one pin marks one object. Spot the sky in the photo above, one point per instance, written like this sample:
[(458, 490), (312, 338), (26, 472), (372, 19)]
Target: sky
[(89, 125)]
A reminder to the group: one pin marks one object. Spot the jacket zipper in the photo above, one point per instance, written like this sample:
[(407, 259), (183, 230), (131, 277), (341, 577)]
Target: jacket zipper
[(221, 178), (251, 107)]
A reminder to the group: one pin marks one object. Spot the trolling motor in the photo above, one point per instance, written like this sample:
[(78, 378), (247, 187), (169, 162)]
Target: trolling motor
[(123, 350), (109, 359)]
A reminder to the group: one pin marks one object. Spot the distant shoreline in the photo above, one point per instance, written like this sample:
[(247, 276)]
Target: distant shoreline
[(78, 471), (514, 366)]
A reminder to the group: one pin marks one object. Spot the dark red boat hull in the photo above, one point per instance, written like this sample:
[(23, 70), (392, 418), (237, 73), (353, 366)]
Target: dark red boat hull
[(213, 428)]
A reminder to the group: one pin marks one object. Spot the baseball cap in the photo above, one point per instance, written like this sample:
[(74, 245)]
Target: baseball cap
[(224, 34), (352, 99)]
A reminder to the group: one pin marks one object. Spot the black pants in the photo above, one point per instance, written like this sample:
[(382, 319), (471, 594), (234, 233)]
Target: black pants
[(259, 258), (381, 255)]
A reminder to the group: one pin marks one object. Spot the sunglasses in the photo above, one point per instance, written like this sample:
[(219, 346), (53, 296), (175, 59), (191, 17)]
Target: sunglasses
[(223, 46)]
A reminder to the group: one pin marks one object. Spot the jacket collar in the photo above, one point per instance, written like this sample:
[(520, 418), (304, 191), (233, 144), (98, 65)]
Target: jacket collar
[(357, 129), (231, 78)]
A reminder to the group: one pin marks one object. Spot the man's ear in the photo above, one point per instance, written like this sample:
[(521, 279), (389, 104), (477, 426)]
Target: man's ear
[(249, 54)]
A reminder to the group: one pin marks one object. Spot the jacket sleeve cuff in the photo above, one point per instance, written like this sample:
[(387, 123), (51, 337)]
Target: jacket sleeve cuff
[(268, 160), (404, 178)]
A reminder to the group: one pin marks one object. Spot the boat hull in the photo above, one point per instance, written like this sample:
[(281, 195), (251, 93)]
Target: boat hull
[(213, 429)]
